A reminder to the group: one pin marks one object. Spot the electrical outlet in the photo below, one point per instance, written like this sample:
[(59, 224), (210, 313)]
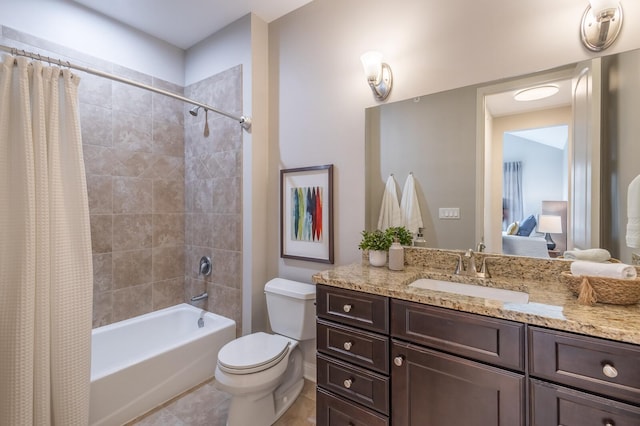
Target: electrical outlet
[(449, 213)]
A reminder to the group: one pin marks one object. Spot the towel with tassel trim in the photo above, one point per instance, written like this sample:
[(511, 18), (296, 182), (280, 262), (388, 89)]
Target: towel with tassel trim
[(390, 215), (409, 206)]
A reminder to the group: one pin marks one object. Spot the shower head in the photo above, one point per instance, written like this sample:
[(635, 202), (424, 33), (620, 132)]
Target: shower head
[(194, 111)]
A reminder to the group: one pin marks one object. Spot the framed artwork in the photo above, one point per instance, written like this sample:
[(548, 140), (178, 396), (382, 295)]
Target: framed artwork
[(306, 213)]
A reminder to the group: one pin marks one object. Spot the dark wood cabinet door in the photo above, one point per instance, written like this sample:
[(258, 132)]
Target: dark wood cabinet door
[(553, 405), (430, 388)]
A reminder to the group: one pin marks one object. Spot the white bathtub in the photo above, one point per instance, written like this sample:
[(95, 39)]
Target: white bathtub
[(142, 362)]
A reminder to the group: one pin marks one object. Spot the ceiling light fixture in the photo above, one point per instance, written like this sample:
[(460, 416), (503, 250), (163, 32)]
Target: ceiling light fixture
[(378, 74), (601, 24), (536, 93)]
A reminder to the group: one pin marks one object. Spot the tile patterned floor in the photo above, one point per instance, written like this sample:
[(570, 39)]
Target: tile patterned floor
[(207, 406)]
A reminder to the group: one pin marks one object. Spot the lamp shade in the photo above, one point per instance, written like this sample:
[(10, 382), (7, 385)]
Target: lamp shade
[(372, 64), (549, 224)]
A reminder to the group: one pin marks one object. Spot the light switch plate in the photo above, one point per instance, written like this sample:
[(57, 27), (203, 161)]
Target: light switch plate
[(449, 213)]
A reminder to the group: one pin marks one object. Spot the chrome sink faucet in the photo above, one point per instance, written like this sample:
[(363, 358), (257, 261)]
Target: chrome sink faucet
[(471, 263)]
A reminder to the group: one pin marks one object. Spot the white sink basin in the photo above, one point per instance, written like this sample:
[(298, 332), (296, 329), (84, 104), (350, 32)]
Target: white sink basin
[(472, 290)]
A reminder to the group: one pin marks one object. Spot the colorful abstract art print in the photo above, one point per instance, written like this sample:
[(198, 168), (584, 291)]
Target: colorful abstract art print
[(306, 213)]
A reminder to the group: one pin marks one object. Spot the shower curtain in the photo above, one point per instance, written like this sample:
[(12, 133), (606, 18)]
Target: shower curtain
[(45, 249)]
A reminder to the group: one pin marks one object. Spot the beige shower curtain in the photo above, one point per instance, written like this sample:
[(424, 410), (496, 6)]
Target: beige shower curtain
[(45, 249)]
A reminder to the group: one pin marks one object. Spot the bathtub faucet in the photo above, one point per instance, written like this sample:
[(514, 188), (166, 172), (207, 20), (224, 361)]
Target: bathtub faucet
[(201, 319), (199, 297)]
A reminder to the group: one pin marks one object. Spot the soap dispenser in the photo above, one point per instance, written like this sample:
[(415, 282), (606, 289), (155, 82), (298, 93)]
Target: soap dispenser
[(396, 256), (420, 241)]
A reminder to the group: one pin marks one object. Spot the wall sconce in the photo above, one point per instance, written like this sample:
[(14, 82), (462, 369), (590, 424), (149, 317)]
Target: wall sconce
[(378, 74), (601, 24)]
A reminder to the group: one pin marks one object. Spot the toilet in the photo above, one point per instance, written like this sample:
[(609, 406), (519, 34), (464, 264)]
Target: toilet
[(263, 372)]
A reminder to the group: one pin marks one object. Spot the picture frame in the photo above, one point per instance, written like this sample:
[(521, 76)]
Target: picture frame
[(306, 225)]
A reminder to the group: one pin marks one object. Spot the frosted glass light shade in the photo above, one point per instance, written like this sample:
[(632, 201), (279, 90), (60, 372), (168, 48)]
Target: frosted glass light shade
[(535, 93), (549, 224), (599, 7), (372, 64)]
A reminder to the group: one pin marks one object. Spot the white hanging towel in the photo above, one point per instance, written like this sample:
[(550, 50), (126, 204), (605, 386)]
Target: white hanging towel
[(633, 213), (390, 209), (409, 206)]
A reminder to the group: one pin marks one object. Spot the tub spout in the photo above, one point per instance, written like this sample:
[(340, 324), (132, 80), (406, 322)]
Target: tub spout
[(201, 319), (199, 297)]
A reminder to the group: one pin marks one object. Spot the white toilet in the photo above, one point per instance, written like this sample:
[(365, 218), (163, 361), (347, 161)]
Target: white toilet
[(261, 371)]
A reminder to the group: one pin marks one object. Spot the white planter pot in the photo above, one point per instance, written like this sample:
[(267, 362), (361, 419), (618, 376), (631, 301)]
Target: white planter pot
[(377, 257)]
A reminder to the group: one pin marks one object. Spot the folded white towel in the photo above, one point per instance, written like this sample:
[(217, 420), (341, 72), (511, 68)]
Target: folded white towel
[(609, 270), (633, 213), (390, 215), (592, 255), (409, 206)]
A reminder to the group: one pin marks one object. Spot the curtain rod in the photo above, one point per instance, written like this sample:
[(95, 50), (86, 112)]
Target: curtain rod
[(245, 122)]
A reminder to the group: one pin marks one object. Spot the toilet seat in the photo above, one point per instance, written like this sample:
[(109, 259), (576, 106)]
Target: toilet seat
[(253, 353)]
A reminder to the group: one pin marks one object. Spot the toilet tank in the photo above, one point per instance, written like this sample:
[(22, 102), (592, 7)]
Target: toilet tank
[(291, 307)]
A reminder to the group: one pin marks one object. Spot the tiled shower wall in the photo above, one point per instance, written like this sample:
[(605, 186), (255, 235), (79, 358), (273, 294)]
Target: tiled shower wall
[(213, 195), (133, 143)]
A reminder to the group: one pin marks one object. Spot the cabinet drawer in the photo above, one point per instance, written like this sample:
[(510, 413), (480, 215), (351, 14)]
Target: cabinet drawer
[(359, 347), (598, 365), (334, 411), (491, 340), (353, 383), (362, 310), (556, 405)]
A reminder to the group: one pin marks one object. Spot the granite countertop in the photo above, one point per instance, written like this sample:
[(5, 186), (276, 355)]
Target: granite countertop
[(551, 304)]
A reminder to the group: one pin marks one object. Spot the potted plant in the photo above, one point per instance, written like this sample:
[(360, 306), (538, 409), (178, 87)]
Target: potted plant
[(401, 233), (377, 243)]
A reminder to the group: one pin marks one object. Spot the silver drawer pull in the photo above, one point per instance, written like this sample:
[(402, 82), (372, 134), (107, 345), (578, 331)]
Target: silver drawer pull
[(347, 346), (608, 423), (347, 383), (399, 360), (609, 371), (347, 308)]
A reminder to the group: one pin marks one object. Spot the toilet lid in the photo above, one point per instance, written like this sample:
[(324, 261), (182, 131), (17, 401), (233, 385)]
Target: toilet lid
[(252, 353)]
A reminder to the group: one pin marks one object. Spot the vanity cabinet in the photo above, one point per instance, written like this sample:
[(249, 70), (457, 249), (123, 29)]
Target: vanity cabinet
[(387, 361), (455, 368), (581, 380), (353, 358)]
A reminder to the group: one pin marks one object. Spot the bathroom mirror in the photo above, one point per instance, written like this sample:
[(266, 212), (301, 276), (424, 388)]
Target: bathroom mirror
[(435, 138)]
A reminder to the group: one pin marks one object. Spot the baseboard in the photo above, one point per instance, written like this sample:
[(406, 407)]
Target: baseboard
[(309, 371)]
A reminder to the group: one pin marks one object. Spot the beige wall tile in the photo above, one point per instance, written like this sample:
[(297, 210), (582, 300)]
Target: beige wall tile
[(168, 196), (102, 308), (101, 233), (132, 195), (131, 268), (132, 231), (168, 229), (99, 191), (133, 301), (168, 262), (96, 125), (168, 293), (102, 272)]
